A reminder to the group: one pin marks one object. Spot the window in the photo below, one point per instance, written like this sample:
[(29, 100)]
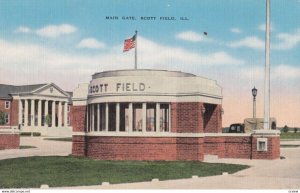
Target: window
[(68, 108), (262, 144), (164, 117), (7, 104), (112, 117), (68, 120), (137, 117), (151, 117), (130, 115), (124, 117), (7, 118)]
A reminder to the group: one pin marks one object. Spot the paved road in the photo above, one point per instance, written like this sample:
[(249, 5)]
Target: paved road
[(264, 174)]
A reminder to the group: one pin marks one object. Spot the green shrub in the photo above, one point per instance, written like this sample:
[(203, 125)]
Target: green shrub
[(295, 130), (285, 129), (36, 134), (48, 120), (2, 118), (25, 134)]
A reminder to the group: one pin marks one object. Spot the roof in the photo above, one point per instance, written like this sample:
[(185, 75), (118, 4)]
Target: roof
[(7, 90), (142, 72)]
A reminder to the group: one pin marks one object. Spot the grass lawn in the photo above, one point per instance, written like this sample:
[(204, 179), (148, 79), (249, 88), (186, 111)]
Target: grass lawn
[(26, 147), (59, 139), (59, 171), (290, 135)]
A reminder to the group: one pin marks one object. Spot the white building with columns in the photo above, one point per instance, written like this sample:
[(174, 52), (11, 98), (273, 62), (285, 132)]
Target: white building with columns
[(42, 108)]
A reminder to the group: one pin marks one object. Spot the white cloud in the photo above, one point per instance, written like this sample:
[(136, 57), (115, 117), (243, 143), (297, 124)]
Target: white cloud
[(23, 29), (33, 63), (250, 42), (278, 72), (50, 31), (236, 30), (154, 53), (90, 43), (286, 72), (287, 40), (191, 36), (53, 31), (262, 27)]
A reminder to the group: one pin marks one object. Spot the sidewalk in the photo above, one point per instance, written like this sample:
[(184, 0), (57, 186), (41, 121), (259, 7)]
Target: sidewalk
[(43, 148)]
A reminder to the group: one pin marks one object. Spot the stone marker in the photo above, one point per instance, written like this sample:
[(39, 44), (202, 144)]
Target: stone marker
[(44, 186)]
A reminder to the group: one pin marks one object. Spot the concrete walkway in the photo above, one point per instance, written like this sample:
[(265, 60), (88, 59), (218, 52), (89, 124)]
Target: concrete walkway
[(43, 148), (264, 174)]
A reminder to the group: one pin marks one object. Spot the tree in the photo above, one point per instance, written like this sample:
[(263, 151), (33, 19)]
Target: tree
[(285, 129), (48, 119), (2, 118)]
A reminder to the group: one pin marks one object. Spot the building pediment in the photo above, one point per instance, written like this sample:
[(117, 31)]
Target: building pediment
[(51, 90)]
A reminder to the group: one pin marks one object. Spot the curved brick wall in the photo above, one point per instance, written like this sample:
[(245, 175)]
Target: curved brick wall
[(139, 148)]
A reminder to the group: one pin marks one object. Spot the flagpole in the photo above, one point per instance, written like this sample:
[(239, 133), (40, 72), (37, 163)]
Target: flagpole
[(135, 53), (267, 70)]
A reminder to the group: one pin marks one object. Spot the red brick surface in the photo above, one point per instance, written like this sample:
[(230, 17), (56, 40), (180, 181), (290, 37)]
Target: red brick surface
[(9, 141), (212, 118), (273, 149), (78, 146), (241, 147), (14, 113), (140, 148), (237, 147), (187, 117), (2, 108), (191, 149), (214, 146), (172, 148), (78, 118)]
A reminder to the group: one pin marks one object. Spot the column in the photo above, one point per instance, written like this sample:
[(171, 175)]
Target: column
[(169, 115), (20, 111), (87, 118), (130, 118), (93, 117), (26, 113), (39, 113), (106, 116), (59, 114), (98, 117), (32, 113), (118, 117), (66, 114), (45, 112), (144, 116), (53, 114), (157, 117)]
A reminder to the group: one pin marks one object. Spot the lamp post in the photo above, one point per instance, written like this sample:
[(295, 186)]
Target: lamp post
[(254, 93)]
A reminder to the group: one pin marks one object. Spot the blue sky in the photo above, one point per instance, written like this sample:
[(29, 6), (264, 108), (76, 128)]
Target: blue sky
[(67, 41)]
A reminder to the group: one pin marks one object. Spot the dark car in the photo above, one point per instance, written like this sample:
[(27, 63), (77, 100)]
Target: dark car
[(236, 128)]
